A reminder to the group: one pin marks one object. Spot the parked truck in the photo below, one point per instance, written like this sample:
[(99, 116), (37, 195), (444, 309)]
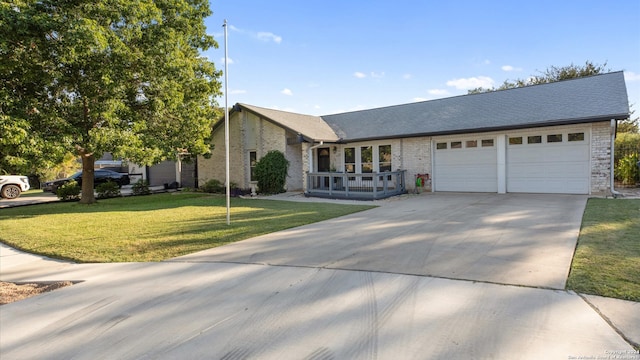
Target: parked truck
[(11, 186)]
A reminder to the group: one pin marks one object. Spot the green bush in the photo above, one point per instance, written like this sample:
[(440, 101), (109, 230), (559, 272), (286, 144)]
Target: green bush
[(108, 190), (271, 172), (213, 186), (627, 170), (627, 152), (69, 191), (141, 187)]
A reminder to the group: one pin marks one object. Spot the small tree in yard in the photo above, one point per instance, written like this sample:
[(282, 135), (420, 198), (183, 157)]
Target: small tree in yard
[(271, 172)]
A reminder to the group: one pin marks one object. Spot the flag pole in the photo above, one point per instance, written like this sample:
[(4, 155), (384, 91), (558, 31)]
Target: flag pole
[(226, 124)]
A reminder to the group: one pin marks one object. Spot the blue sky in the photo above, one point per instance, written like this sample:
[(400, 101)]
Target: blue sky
[(324, 57)]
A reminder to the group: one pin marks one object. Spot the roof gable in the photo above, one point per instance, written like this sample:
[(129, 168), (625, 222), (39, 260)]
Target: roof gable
[(311, 127)]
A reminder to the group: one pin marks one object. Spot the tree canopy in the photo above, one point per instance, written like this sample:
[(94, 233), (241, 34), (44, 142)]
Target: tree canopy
[(551, 74), (121, 76)]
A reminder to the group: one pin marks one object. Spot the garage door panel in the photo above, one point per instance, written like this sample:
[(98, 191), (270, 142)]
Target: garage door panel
[(533, 185), (469, 185), (548, 154), (566, 170)]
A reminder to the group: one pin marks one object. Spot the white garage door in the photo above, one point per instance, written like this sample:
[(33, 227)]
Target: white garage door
[(548, 162), (466, 164)]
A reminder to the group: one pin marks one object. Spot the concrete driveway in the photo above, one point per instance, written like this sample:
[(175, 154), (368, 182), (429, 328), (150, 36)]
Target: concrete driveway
[(295, 294), (506, 239)]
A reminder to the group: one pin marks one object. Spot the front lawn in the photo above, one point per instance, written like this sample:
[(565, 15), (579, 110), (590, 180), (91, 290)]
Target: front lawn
[(32, 192), (152, 228), (607, 258)]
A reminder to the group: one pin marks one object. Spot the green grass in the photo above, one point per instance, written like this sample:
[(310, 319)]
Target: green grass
[(32, 192), (607, 258), (152, 228)]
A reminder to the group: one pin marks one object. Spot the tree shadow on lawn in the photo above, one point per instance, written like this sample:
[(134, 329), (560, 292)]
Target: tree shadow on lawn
[(149, 203)]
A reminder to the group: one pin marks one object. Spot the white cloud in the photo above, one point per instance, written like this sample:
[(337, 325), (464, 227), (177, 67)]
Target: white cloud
[(631, 76), (359, 75), (286, 91), (471, 83), (438, 92), (267, 36), (261, 35), (407, 76), (229, 61), (376, 75), (235, 92), (509, 68), (419, 99)]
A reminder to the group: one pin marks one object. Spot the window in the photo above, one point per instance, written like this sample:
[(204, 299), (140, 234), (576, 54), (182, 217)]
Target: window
[(350, 160), (471, 143), (366, 159), (456, 144), (441, 146), (253, 159), (537, 139), (554, 138), (576, 136), (384, 158), (517, 140), (487, 143)]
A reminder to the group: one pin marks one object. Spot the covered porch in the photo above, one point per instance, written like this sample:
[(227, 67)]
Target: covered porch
[(366, 186)]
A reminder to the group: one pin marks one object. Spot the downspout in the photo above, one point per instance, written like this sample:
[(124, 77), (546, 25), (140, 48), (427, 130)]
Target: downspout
[(613, 139)]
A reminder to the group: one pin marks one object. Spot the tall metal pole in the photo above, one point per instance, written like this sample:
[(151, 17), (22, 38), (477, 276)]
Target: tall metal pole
[(226, 124)]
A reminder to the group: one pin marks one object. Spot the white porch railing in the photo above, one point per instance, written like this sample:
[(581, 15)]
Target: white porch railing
[(368, 186)]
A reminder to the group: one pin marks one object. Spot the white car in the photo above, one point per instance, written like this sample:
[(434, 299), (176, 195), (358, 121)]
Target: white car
[(11, 186)]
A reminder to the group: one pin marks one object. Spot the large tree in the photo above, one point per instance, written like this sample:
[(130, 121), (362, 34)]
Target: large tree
[(121, 76)]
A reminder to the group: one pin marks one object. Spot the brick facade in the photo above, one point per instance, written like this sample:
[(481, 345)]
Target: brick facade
[(248, 132), (600, 158)]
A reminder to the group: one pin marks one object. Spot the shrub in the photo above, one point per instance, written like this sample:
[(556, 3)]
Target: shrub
[(627, 170), (271, 172), (141, 187), (108, 190), (212, 186), (69, 191)]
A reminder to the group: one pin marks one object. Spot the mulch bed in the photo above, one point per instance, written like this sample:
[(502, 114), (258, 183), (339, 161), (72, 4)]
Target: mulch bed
[(11, 292)]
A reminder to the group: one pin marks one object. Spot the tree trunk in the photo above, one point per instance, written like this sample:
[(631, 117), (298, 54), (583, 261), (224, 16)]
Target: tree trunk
[(88, 162)]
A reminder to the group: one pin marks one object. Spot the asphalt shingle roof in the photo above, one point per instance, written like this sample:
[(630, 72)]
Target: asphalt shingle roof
[(594, 98)]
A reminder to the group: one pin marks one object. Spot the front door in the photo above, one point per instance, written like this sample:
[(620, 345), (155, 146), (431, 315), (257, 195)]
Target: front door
[(324, 164)]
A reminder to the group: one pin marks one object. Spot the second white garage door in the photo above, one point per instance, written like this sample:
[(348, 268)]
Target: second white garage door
[(548, 162)]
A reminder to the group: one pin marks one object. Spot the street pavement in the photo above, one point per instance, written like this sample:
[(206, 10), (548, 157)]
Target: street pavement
[(443, 276)]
